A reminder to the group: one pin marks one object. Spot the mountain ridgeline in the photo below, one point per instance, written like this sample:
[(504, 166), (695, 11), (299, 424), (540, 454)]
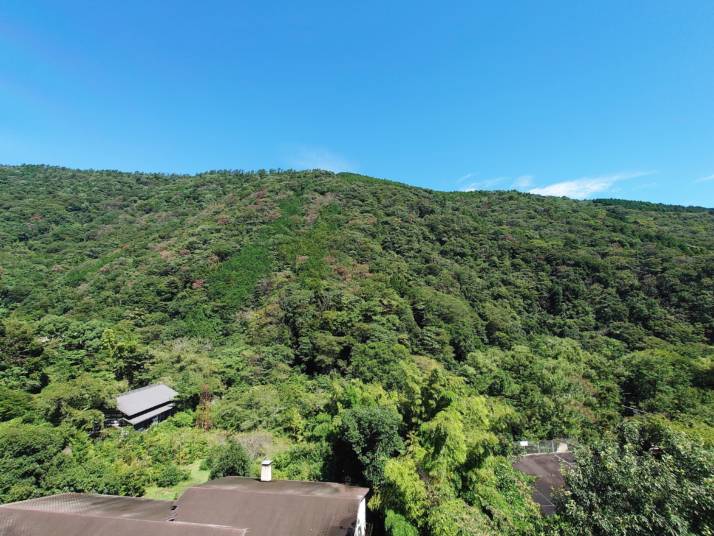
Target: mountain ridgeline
[(357, 330)]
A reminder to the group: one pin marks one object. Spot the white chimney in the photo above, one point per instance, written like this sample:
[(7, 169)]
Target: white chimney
[(266, 471)]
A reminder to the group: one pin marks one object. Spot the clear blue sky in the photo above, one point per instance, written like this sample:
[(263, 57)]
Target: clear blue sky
[(589, 99)]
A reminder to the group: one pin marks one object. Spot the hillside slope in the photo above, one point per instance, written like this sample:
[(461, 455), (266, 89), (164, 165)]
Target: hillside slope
[(168, 249), (356, 319)]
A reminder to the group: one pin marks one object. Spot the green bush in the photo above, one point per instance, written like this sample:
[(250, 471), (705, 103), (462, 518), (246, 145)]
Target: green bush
[(228, 459), (397, 525), (13, 403), (170, 475)]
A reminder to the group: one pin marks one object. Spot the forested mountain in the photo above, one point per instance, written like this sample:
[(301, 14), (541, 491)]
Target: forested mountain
[(356, 329)]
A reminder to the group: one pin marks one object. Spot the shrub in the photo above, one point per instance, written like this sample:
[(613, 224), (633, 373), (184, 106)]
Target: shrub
[(229, 459), (13, 403), (170, 475), (397, 525)]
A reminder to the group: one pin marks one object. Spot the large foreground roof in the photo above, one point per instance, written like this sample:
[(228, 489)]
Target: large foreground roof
[(319, 508), (78, 514), (230, 506)]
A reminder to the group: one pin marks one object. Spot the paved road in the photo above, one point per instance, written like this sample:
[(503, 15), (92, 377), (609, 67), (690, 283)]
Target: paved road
[(547, 470)]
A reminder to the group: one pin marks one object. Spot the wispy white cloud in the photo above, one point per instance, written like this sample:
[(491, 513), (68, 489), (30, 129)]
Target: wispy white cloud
[(708, 178), (466, 177), (483, 184), (523, 182), (321, 158), (587, 186)]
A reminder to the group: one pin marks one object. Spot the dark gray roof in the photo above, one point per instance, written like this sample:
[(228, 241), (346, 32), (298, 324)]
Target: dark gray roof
[(150, 414), (145, 398), (547, 468), (75, 514), (275, 508)]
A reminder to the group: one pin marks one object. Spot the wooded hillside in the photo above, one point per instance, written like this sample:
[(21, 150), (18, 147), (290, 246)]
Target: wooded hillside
[(354, 329)]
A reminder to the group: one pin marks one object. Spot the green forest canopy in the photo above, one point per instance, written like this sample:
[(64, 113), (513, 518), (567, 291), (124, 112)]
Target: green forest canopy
[(355, 329)]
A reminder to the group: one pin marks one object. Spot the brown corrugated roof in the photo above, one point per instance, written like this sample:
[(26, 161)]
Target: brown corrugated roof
[(99, 506), (32, 523), (75, 514), (276, 508), (287, 487), (230, 506)]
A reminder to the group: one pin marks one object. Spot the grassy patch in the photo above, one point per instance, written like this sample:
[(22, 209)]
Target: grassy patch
[(198, 476)]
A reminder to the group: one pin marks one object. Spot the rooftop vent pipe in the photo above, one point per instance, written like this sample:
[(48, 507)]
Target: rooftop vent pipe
[(266, 471)]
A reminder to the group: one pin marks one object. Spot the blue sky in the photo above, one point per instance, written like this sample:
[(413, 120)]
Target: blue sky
[(587, 99)]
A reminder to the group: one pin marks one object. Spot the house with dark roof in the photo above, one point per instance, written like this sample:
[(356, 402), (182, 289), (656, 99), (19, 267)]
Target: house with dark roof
[(230, 506), (145, 406)]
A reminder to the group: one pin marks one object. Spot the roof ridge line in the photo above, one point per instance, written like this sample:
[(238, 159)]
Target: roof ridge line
[(269, 492)]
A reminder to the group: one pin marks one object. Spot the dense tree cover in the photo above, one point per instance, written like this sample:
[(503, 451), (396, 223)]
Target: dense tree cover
[(645, 479), (355, 330)]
